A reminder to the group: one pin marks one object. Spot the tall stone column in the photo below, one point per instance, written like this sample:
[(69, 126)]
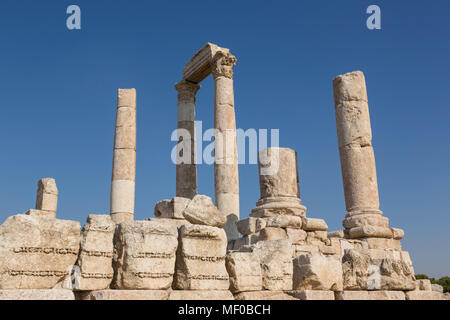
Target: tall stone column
[(186, 173), (357, 158), (124, 160), (226, 175)]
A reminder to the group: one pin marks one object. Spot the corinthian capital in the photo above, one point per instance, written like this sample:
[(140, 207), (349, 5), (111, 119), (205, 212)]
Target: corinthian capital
[(222, 64), (186, 91)]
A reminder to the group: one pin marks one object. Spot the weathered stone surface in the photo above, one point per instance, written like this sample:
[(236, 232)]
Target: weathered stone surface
[(176, 222), (275, 257), (41, 213), (270, 233), (312, 224), (264, 295), (96, 254), (244, 271), (382, 243), (297, 236), (37, 294), (423, 284), (201, 210), (47, 195), (278, 175), (424, 295), (370, 231), (250, 225), (37, 252), (171, 209), (314, 271), (352, 295), (355, 267), (386, 295), (312, 294), (437, 288), (284, 221), (248, 240), (201, 295), (367, 219), (123, 295), (200, 261), (144, 255), (336, 234)]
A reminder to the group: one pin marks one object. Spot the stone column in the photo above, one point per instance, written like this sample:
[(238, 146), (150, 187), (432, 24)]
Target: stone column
[(186, 173), (357, 156), (278, 181), (226, 176), (124, 161)]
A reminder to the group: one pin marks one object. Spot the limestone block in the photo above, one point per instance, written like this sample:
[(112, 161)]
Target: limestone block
[(201, 210), (37, 294), (352, 295), (369, 219), (270, 233), (264, 295), (284, 221), (437, 288), (176, 222), (275, 211), (297, 236), (144, 255), (247, 240), (278, 173), (312, 224), (370, 231), (41, 213), (312, 294), (171, 209), (382, 243), (200, 261), (423, 284), (275, 257), (397, 233), (37, 252), (126, 98), (250, 225), (386, 295), (336, 234), (314, 271), (301, 249), (123, 295), (201, 295), (96, 254), (424, 295), (355, 267), (47, 195), (244, 271), (317, 235)]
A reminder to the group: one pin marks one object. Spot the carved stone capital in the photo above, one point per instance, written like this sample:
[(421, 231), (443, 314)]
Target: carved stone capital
[(222, 65), (186, 91)]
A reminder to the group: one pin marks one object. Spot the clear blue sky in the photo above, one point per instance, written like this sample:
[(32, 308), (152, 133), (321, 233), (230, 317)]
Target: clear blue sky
[(58, 95)]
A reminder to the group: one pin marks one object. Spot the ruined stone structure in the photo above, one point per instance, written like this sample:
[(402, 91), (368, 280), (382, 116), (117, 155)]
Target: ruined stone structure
[(190, 250)]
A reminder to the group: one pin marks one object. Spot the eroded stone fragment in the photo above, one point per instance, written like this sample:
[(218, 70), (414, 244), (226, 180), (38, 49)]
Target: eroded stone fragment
[(37, 252), (96, 254), (314, 271), (245, 271), (171, 209), (275, 257), (47, 196), (200, 261), (201, 210), (144, 255)]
